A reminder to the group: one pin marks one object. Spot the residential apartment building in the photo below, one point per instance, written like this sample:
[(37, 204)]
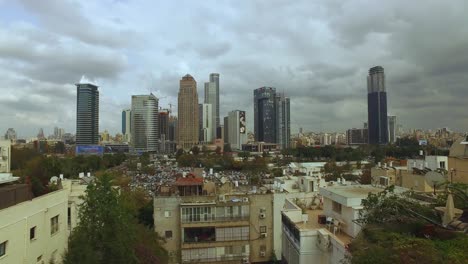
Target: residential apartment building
[(36, 230), (225, 228), (5, 156)]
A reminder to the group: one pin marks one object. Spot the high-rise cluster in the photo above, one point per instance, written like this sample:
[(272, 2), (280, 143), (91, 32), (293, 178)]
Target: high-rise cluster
[(272, 116)]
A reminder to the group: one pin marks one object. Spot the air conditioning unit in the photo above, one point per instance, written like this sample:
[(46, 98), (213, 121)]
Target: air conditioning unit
[(263, 235), (222, 198), (262, 253), (262, 216), (262, 210), (245, 199)]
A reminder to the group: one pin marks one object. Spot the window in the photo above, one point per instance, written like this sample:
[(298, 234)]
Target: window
[(54, 224), (32, 233), (263, 229), (167, 214), (337, 207), (442, 164), (168, 234), (69, 217), (3, 248)]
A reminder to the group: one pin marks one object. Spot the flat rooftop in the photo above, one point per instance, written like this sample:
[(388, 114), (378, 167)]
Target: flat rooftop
[(352, 191)]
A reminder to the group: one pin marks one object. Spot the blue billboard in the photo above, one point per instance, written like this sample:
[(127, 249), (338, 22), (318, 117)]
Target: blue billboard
[(89, 150)]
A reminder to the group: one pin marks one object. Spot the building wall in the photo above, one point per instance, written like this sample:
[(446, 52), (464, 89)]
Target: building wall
[(167, 218), (347, 215), (187, 126), (236, 139), (265, 114), (5, 156), (144, 123), (460, 169), (206, 122), (212, 97), (87, 114), (15, 224)]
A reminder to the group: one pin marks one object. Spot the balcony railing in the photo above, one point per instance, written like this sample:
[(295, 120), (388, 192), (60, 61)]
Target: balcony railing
[(216, 219), (218, 258)]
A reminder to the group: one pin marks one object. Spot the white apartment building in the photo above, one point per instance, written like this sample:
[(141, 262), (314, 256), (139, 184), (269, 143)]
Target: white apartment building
[(5, 154), (36, 230), (322, 235), (431, 162)]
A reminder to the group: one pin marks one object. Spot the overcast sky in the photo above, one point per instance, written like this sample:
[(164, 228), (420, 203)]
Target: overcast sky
[(317, 52)]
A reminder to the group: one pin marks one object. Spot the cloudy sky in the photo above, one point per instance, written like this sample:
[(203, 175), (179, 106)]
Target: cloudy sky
[(317, 52)]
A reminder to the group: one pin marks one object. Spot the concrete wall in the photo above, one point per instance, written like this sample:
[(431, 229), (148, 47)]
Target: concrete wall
[(460, 166), (163, 223), (258, 203), (347, 215), (15, 224)]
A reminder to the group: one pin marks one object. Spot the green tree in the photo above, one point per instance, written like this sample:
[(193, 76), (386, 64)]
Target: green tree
[(227, 147), (106, 231)]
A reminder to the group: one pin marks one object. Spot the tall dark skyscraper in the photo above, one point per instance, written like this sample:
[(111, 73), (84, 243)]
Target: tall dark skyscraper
[(87, 114), (272, 117), (377, 106), (265, 114)]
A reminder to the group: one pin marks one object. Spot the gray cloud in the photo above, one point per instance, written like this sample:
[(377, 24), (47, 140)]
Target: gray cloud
[(316, 52)]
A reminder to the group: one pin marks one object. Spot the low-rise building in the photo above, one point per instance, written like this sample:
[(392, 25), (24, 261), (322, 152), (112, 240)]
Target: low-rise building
[(37, 230), (458, 161)]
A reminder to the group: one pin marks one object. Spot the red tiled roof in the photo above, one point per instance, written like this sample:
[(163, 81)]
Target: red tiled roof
[(190, 179)]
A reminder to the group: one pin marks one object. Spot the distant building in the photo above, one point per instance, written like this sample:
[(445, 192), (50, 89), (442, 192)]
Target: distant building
[(260, 147), (40, 134), (172, 128), (357, 136), (87, 114), (163, 129), (237, 129), (377, 106), (458, 161), (226, 129), (187, 126), (206, 124), (127, 124), (392, 129), (144, 123), (283, 121), (265, 114), (272, 117), (11, 134), (212, 97), (5, 156)]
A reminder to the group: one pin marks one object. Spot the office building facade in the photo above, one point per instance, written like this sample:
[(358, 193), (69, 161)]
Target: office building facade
[(87, 114), (392, 129), (283, 121), (272, 117), (145, 123), (206, 124), (188, 126), (377, 106), (126, 124), (265, 114), (212, 97), (237, 129)]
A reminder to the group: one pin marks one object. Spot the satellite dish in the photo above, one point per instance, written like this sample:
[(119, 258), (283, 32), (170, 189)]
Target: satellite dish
[(433, 177), (54, 179)]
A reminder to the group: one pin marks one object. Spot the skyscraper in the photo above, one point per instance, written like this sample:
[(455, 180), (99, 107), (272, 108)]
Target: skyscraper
[(87, 114), (377, 106), (392, 129), (272, 117), (237, 129), (144, 123), (205, 120), (283, 123), (187, 126), (265, 114), (212, 97), (127, 124)]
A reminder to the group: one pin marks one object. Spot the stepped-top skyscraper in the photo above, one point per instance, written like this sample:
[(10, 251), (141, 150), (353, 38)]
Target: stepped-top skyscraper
[(377, 106), (187, 126), (271, 116), (212, 97), (87, 114), (145, 123)]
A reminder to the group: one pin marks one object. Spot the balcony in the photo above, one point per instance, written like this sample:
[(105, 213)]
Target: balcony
[(213, 218)]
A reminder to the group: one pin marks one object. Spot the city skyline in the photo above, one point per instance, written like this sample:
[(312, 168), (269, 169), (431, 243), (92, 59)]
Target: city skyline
[(324, 71)]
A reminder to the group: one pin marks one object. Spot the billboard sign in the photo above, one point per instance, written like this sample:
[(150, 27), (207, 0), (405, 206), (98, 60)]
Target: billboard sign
[(89, 150), (242, 122)]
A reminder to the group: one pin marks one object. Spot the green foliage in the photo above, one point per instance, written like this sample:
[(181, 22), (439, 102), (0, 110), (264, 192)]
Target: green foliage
[(227, 147), (106, 232)]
